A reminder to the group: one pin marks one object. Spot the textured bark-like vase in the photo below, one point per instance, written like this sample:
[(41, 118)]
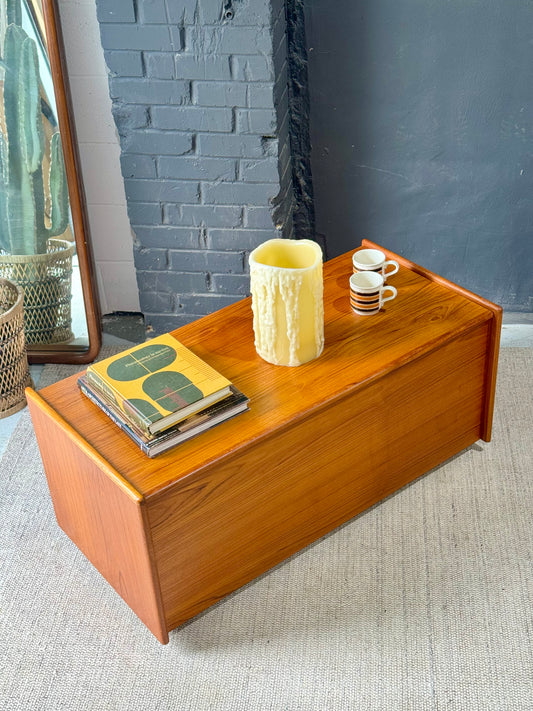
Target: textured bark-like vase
[(286, 285)]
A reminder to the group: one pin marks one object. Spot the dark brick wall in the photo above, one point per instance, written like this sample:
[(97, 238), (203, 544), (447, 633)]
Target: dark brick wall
[(199, 91)]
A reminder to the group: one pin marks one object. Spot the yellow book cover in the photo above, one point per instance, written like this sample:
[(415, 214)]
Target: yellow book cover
[(158, 383)]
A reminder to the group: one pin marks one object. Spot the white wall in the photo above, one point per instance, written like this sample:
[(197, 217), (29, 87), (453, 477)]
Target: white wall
[(99, 150)]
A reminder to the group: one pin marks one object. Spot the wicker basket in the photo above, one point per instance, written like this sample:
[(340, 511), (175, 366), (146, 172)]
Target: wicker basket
[(14, 370), (47, 283)]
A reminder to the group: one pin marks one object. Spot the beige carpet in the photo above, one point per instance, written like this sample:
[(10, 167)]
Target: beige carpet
[(423, 602)]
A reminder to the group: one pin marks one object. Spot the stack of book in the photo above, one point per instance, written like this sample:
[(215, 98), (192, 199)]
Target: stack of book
[(160, 393)]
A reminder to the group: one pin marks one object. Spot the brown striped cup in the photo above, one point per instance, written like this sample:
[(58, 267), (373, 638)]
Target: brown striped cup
[(374, 260), (366, 292)]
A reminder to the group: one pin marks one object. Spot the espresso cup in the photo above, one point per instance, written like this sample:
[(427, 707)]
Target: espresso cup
[(374, 260), (366, 292)]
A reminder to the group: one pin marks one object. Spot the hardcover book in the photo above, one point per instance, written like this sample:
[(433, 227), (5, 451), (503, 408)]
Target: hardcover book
[(158, 384), (152, 445)]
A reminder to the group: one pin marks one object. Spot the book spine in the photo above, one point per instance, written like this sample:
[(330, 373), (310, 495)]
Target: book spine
[(124, 405), (113, 417)]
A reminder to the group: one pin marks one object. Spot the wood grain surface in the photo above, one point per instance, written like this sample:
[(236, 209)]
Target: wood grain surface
[(495, 329), (392, 395), (235, 519), (358, 350), (103, 515)]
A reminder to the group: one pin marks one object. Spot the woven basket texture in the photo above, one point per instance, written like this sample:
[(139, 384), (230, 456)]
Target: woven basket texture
[(14, 370), (46, 280)]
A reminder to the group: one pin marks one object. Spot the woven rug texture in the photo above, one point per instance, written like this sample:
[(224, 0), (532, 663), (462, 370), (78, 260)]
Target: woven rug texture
[(423, 602)]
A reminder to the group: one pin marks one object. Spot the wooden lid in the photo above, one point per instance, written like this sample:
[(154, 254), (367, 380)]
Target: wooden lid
[(428, 312)]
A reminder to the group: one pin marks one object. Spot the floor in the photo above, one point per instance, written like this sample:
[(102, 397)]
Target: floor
[(128, 329)]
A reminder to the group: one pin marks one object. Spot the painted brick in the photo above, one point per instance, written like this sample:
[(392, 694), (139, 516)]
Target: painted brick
[(129, 117), (204, 304), (227, 40), (124, 63), (264, 170), (252, 14), (149, 91), (239, 193), (180, 282), (206, 260), (162, 190), (211, 12), (192, 118), (251, 68), (258, 217), (280, 87), (169, 236), (210, 93), (157, 324), (261, 95), (285, 159), (283, 211), (230, 146), (279, 27), (191, 66), (152, 11), (246, 240), (280, 47), (244, 13), (183, 11), (188, 261), (197, 168), (155, 37), (150, 259), (144, 213), (160, 65), (155, 301), (269, 145), (202, 215), (238, 284), (258, 121), (157, 142), (283, 129), (200, 136), (286, 178), (111, 11), (178, 38), (278, 6), (289, 231), (137, 166)]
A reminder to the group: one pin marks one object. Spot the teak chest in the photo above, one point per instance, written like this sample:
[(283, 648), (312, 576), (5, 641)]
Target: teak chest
[(392, 396)]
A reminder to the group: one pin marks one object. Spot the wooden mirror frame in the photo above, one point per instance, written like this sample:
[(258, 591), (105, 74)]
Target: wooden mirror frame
[(56, 55)]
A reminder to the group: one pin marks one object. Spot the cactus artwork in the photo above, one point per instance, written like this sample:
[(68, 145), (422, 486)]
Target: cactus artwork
[(33, 207)]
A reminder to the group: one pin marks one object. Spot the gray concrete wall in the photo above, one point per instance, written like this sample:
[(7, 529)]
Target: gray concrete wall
[(204, 146), (422, 135)]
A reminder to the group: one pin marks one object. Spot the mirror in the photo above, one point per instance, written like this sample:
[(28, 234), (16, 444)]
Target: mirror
[(43, 227)]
